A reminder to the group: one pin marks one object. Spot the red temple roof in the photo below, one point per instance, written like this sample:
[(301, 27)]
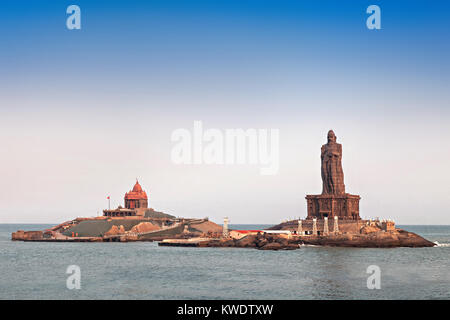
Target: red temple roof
[(137, 193), (137, 187)]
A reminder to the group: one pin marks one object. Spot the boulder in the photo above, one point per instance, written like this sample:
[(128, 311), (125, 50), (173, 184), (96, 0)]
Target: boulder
[(228, 243), (261, 242), (144, 227), (272, 246), (284, 242), (206, 226), (115, 230), (18, 235), (246, 242), (27, 235), (368, 229)]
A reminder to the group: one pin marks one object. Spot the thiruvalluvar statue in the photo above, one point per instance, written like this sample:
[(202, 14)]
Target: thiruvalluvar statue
[(332, 173)]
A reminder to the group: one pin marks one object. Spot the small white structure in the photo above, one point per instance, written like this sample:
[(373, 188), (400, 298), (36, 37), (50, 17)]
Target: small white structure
[(325, 225), (336, 226), (314, 227), (277, 231), (300, 228), (225, 228)]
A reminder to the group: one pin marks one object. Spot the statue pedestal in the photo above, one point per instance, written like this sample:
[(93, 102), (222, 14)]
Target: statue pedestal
[(345, 206)]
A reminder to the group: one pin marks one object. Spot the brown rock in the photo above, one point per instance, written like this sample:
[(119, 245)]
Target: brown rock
[(246, 242), (281, 241), (380, 239), (261, 242), (206, 227), (18, 235), (272, 246), (144, 227), (368, 229), (115, 230), (27, 235), (228, 243)]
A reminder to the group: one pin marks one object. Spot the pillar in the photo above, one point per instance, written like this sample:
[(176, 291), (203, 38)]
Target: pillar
[(314, 227), (333, 206), (325, 225), (336, 227), (300, 229), (225, 227)]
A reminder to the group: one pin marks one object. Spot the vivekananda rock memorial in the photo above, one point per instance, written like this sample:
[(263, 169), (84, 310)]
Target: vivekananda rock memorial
[(136, 222), (136, 204)]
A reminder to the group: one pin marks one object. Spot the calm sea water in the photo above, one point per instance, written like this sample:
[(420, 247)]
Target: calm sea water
[(142, 270)]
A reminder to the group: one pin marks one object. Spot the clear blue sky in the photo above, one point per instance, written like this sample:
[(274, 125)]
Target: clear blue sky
[(85, 112)]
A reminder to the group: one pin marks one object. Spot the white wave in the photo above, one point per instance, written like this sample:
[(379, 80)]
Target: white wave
[(442, 244), (308, 245)]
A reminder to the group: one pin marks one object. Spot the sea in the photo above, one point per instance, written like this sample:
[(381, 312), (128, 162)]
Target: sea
[(143, 270)]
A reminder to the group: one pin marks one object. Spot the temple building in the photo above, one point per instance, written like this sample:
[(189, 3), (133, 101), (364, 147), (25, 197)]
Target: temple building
[(136, 198), (136, 203)]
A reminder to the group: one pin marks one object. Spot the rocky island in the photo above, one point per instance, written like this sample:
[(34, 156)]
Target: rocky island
[(134, 222), (137, 222)]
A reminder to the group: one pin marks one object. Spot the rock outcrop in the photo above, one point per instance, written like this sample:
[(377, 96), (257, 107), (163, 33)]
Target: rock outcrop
[(206, 227), (379, 239), (375, 239), (115, 230), (368, 229), (27, 235), (144, 227), (258, 241)]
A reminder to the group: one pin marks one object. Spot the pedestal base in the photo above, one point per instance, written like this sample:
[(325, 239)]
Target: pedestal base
[(344, 206)]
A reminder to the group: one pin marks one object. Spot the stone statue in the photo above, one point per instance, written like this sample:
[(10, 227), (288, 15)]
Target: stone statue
[(333, 202), (332, 174)]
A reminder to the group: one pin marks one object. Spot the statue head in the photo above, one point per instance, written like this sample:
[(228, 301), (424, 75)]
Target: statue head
[(331, 136)]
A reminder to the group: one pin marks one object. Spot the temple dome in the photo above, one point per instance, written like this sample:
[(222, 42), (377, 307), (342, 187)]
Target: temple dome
[(137, 193), (137, 187)]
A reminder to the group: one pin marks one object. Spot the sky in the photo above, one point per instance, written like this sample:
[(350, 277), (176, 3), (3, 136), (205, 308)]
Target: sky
[(83, 113)]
